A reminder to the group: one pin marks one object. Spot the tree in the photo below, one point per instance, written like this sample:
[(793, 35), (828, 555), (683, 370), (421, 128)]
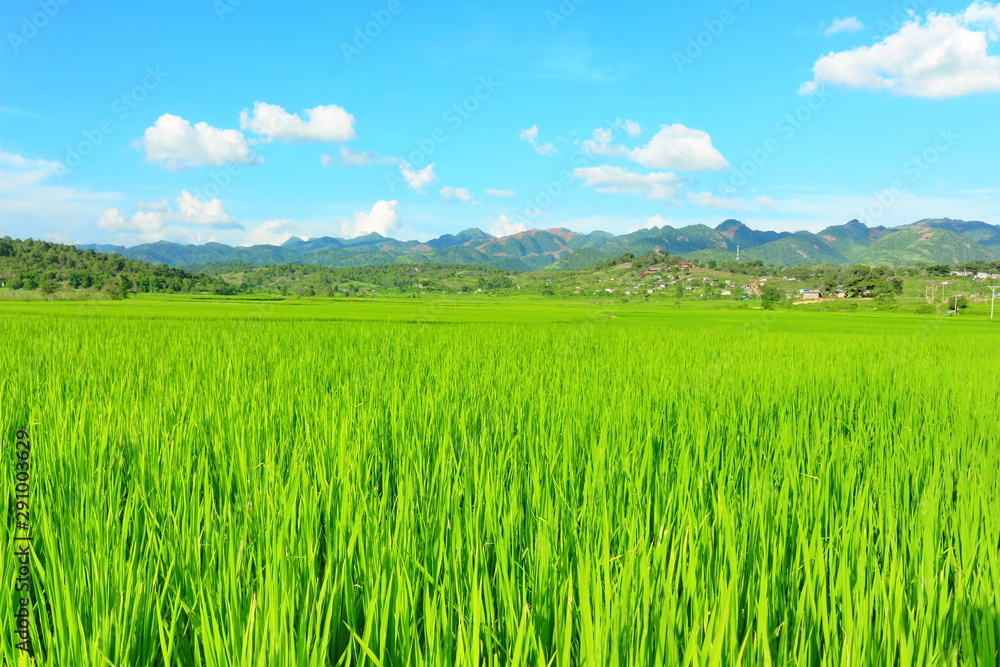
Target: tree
[(48, 287), (770, 296), (118, 286)]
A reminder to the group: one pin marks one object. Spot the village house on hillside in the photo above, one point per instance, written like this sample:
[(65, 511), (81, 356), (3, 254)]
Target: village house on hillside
[(810, 294)]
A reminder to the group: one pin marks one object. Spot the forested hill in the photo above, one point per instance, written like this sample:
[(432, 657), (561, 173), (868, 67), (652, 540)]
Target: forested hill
[(43, 265), (930, 241)]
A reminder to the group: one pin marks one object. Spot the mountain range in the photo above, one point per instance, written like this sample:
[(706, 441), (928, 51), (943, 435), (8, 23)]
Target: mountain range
[(932, 241)]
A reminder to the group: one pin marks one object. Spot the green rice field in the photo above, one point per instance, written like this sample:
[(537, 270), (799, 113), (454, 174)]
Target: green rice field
[(223, 483)]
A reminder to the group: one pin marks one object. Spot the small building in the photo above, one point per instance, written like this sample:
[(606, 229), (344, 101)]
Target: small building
[(810, 294), (727, 292), (840, 294)]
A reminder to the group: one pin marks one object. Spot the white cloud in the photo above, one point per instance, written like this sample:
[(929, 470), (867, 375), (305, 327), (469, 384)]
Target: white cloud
[(272, 232), (765, 202), (944, 55), (193, 210), (32, 199), (18, 172), (113, 221), (708, 200), (679, 147), (383, 219), (848, 24), (175, 143), (607, 179), (63, 237), (531, 136), (632, 128), (461, 194), (152, 217), (600, 144), (417, 180), (325, 123), (352, 158), (499, 193), (504, 226)]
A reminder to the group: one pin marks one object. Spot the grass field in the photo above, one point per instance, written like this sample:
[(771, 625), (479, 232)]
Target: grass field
[(535, 482)]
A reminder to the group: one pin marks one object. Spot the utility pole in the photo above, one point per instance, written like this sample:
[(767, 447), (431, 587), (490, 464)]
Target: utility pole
[(993, 301), (737, 254), (956, 305)]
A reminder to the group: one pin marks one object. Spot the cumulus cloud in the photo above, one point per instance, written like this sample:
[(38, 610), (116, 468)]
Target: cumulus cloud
[(383, 219), (175, 143), (708, 200), (608, 179), (940, 56), (600, 143), (531, 136), (191, 211), (499, 193), (505, 226), (679, 147), (632, 128), (352, 158), (322, 123), (461, 194), (849, 24), (272, 232), (765, 202), (417, 180)]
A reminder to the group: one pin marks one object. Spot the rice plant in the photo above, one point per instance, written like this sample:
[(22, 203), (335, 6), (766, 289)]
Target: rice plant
[(675, 488)]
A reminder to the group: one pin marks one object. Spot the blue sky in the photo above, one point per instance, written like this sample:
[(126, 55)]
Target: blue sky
[(251, 121)]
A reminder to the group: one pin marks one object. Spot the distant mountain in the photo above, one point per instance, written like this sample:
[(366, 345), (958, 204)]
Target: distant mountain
[(743, 236), (938, 240), (852, 239), (922, 243)]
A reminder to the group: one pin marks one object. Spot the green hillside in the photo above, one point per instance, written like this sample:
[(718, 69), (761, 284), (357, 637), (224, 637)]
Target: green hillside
[(921, 243)]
